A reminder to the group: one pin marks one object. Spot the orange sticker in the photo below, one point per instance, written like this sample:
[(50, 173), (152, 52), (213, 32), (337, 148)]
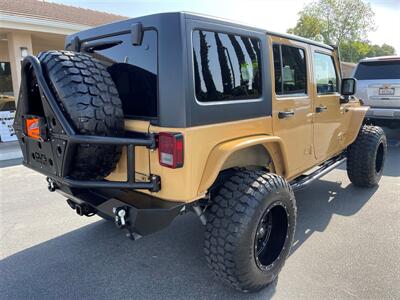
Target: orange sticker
[(32, 128)]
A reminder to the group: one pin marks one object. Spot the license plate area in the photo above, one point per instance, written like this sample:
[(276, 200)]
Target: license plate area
[(40, 156), (386, 91)]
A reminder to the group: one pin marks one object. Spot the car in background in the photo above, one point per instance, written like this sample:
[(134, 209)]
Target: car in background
[(378, 86)]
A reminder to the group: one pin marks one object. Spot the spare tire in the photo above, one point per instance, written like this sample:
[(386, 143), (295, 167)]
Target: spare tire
[(89, 99)]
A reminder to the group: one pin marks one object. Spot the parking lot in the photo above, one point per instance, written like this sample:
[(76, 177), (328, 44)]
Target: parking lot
[(347, 246)]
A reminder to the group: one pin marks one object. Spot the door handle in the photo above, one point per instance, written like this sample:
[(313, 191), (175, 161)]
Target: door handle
[(320, 109), (285, 114)]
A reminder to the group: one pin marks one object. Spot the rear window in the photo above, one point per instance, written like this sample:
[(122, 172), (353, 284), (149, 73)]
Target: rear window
[(226, 66), (134, 71), (378, 70)]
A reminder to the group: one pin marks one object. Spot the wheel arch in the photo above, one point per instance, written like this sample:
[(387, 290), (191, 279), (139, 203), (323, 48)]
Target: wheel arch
[(260, 150)]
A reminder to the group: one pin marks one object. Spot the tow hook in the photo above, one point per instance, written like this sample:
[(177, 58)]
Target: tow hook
[(120, 213), (50, 184)]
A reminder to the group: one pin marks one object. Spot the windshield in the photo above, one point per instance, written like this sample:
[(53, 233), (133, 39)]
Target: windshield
[(378, 70)]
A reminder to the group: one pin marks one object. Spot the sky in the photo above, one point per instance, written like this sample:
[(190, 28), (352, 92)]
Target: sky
[(274, 15)]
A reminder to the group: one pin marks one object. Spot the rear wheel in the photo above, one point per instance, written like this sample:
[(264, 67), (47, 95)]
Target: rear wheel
[(89, 99), (250, 228), (366, 156)]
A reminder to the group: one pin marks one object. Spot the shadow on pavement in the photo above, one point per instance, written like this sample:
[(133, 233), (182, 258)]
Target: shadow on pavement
[(97, 261), (317, 205)]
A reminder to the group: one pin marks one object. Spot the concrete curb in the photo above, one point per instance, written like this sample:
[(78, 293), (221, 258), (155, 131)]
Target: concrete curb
[(10, 150)]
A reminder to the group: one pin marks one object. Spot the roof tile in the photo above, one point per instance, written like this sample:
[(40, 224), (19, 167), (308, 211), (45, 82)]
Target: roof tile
[(60, 12)]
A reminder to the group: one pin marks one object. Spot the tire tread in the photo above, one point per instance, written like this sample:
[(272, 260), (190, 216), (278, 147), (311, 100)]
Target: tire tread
[(232, 209), (361, 156), (88, 97)]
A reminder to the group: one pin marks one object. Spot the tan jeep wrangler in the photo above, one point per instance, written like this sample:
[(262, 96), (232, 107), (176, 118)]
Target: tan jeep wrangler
[(145, 119)]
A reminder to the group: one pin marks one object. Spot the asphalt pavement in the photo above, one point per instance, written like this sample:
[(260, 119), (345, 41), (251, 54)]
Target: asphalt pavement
[(347, 246)]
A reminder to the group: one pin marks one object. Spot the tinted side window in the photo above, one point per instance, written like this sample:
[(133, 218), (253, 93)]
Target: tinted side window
[(226, 66), (290, 70), (134, 71), (325, 73)]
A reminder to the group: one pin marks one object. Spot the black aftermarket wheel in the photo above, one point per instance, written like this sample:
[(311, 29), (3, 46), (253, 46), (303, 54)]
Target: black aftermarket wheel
[(88, 97), (271, 234), (250, 228), (366, 156)]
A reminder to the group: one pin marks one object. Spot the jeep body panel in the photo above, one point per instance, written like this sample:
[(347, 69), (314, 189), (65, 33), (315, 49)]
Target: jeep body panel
[(199, 143), (177, 104), (204, 102), (208, 149), (214, 142)]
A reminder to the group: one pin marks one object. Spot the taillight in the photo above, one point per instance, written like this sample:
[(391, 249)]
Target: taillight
[(170, 149)]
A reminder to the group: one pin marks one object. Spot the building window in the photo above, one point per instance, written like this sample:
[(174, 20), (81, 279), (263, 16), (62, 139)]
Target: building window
[(226, 66), (6, 88), (290, 70), (325, 73)]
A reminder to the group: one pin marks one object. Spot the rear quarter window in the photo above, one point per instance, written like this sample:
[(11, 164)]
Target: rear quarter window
[(226, 66), (378, 70)]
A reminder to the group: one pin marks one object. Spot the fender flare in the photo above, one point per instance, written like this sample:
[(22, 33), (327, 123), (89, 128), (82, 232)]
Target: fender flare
[(221, 152)]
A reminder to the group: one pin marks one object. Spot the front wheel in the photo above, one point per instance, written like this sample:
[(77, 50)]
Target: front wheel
[(250, 228), (366, 156)]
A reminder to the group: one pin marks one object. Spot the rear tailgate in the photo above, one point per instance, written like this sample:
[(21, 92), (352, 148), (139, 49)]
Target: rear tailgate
[(383, 93)]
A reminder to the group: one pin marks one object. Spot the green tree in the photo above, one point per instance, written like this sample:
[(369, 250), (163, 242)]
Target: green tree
[(335, 21), (383, 50), (344, 23), (356, 50), (309, 27)]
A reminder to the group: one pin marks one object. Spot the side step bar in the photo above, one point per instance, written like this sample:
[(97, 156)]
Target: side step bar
[(305, 180)]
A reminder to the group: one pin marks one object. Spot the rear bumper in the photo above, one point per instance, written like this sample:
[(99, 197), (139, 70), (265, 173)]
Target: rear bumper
[(143, 214), (383, 113)]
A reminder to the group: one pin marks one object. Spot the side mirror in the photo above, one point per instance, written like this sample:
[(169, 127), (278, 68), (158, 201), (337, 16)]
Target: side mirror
[(136, 34), (348, 87)]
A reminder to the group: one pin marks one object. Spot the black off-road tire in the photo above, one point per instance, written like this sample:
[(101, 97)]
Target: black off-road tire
[(88, 97), (366, 156), (233, 226)]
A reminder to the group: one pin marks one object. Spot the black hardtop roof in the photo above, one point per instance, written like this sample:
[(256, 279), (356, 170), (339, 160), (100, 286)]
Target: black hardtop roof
[(198, 17), (201, 17)]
